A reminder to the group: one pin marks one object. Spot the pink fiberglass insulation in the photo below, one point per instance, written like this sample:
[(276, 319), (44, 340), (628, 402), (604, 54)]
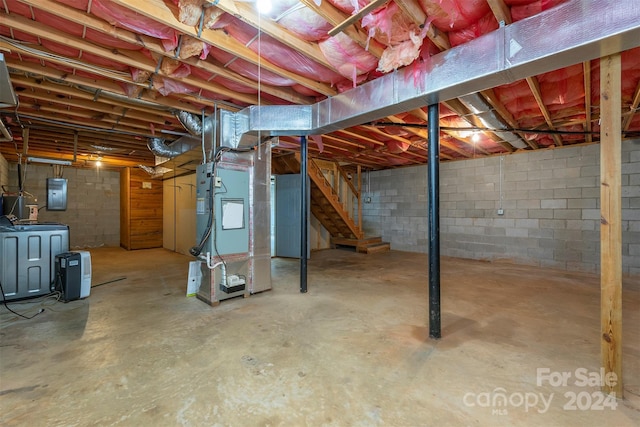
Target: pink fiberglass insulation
[(401, 54), (229, 84), (106, 40), (389, 25), (564, 87), (349, 6), (347, 57), (168, 86), (403, 38), (247, 69), (73, 28), (448, 15), (18, 35), (18, 8), (125, 18), (302, 21), (346, 84), (482, 26), (279, 54), (303, 90), (70, 52), (523, 9), (397, 147)]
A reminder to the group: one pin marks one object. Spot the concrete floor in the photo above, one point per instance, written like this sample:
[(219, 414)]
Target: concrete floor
[(352, 352)]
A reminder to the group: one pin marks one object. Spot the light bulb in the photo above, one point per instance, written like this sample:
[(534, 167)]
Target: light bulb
[(264, 6)]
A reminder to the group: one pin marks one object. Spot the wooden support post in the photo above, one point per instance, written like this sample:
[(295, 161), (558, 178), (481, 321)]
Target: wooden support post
[(611, 222)]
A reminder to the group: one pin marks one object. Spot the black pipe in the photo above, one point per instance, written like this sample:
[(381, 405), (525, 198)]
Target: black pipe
[(433, 188), (304, 214), (19, 179)]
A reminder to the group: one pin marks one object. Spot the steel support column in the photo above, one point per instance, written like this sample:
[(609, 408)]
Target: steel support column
[(304, 214), (433, 190)]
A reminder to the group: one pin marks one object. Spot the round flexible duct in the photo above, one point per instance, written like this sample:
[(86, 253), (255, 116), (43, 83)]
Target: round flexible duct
[(191, 122), (159, 147)]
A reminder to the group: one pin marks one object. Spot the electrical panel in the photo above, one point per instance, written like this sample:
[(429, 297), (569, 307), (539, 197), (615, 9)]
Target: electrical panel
[(56, 194)]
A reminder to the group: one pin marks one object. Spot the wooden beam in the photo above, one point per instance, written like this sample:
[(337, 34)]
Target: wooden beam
[(155, 46), (84, 99), (356, 16), (502, 111), (102, 85), (334, 16), (461, 110), (586, 69), (633, 109), (611, 222), (344, 176), (422, 133), (129, 58), (166, 13), (500, 11), (412, 9), (247, 13), (534, 85), (92, 106)]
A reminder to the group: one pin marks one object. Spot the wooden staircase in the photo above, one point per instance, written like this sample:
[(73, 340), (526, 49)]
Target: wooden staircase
[(368, 245), (327, 206)]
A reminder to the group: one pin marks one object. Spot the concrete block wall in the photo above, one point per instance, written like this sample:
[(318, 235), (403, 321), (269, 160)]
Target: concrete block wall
[(93, 203), (550, 200), (4, 172)]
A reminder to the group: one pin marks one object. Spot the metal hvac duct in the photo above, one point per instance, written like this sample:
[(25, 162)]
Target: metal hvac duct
[(192, 123), (481, 109), (7, 96), (159, 147), (5, 133), (514, 52)]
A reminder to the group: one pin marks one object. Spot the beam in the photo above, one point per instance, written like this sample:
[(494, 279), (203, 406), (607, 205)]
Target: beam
[(247, 13), (534, 85), (433, 190), (500, 57), (356, 16), (611, 222), (500, 11), (166, 14), (414, 11), (334, 16), (633, 109), (155, 46), (586, 68)]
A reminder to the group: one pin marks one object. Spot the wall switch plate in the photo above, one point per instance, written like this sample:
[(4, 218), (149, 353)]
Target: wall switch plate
[(218, 181), (501, 211)]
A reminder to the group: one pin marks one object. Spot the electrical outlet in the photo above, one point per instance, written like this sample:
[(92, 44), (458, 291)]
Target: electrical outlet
[(218, 181), (500, 211)]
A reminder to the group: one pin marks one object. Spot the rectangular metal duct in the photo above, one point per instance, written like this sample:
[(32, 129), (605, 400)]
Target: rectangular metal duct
[(570, 33), (7, 96), (488, 117)]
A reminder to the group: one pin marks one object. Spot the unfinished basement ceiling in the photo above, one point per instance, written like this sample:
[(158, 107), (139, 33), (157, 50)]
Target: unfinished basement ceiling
[(103, 76)]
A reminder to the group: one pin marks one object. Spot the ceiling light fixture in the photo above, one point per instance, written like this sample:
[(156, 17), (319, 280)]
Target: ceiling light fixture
[(49, 161), (264, 6)]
